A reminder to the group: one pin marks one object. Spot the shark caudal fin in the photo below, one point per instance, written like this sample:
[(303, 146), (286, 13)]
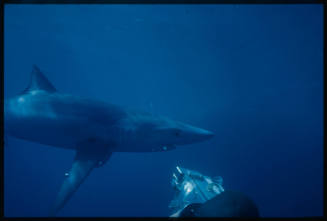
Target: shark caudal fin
[(39, 82), (85, 160)]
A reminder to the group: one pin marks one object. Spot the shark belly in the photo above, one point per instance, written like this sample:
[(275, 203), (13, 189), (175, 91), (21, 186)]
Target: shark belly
[(49, 131)]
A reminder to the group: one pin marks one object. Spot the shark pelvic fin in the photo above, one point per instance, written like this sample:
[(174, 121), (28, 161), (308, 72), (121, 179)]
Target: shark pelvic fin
[(39, 82), (85, 160)]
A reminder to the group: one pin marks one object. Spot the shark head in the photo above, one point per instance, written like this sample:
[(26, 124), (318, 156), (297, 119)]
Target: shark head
[(169, 132)]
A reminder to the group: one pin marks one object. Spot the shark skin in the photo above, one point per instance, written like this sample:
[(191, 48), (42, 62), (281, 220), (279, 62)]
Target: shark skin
[(94, 129)]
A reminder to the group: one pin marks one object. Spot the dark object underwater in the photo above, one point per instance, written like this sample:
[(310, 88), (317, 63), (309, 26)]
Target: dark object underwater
[(226, 204)]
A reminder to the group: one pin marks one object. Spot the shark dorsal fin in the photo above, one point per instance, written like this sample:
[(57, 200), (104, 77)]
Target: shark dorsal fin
[(39, 82)]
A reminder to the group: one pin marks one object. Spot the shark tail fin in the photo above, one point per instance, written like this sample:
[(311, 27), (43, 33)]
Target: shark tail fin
[(39, 82)]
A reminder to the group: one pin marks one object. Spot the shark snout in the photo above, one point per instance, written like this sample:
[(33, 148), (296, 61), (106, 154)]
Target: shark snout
[(205, 134), (201, 134), (195, 134)]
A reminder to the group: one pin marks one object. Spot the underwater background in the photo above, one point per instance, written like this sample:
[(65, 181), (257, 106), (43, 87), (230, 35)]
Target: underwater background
[(252, 74)]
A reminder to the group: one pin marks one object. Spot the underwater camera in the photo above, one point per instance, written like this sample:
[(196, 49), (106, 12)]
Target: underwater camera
[(197, 195)]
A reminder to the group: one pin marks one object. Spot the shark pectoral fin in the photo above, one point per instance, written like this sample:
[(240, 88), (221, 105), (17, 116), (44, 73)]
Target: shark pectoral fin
[(84, 162)]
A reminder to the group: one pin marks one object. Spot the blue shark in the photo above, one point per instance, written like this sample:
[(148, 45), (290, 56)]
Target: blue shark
[(94, 129)]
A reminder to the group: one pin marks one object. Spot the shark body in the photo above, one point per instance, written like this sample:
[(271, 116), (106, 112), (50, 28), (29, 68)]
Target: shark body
[(94, 129)]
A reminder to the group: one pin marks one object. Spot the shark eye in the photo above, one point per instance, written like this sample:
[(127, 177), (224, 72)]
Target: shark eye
[(177, 133)]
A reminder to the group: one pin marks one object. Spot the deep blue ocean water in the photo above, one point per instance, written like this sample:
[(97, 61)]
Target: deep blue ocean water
[(252, 74)]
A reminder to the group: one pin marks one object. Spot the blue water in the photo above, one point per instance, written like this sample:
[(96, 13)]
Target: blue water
[(252, 74)]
